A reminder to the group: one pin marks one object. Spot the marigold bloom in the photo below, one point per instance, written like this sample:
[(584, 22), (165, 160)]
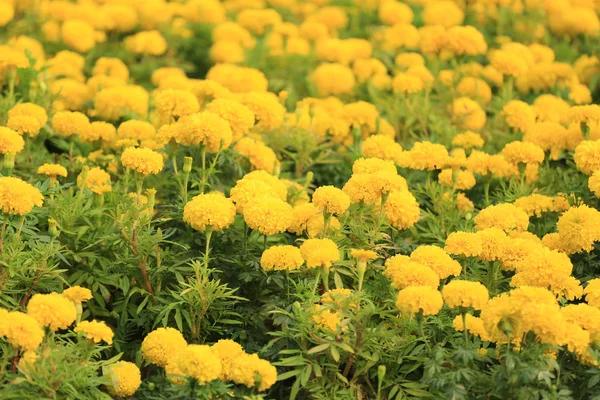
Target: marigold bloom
[(96, 331), (424, 156), (587, 156), (142, 161), (228, 352), (238, 79), (281, 258), (241, 119), (97, 180), (10, 141), (146, 42), (68, 123), (381, 146), (160, 345), (266, 107), (461, 180), (327, 319), (78, 34), (506, 217), (474, 326), (468, 114), (114, 103), (407, 84), (199, 362), (77, 294), (211, 211), (404, 272), (172, 103), (579, 228), (437, 259), (331, 200), (21, 330), (465, 294), (261, 156), (592, 292), (268, 215), (18, 197), (402, 210), (419, 299), (319, 252), (125, 377), (466, 244), (52, 310), (333, 79), (363, 255)]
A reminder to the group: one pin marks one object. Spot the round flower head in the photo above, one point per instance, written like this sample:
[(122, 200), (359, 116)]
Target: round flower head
[(10, 141), (402, 210), (468, 114), (465, 294), (281, 258), (77, 294), (228, 352), (199, 362), (97, 180), (474, 326), (52, 310), (578, 229), (403, 272), (466, 244), (333, 79), (160, 345), (506, 216), (96, 331), (468, 140), (204, 128), (68, 123), (241, 119), (143, 161), (52, 170), (519, 115), (381, 146), (261, 156), (458, 179), (21, 330), (211, 211), (125, 377), (331, 200), (268, 215), (339, 298), (587, 156), (522, 152), (437, 259), (592, 292), (266, 107), (407, 84), (173, 103), (24, 124), (146, 42), (246, 367), (319, 252), (18, 197), (29, 110), (419, 299), (302, 214), (118, 102), (363, 255)]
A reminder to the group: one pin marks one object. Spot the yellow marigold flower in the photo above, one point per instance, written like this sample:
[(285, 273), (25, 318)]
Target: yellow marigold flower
[(465, 294), (172, 103), (160, 345), (550, 108), (393, 12), (468, 114), (105, 131), (18, 197), (579, 228), (407, 83), (319, 252), (110, 66), (365, 69), (465, 40), (588, 113), (238, 79), (97, 180), (125, 378), (315, 226), (437, 259), (424, 156), (21, 330), (474, 326), (78, 34), (508, 63), (281, 258), (580, 94), (211, 211), (419, 299), (362, 115), (519, 115), (331, 200), (587, 156), (523, 152), (28, 360), (444, 13), (146, 42), (404, 272), (466, 244), (226, 51), (135, 129), (409, 59), (592, 292), (468, 140), (261, 156), (268, 215), (7, 13), (199, 362), (493, 243), (241, 119), (114, 103), (586, 316), (363, 255), (24, 124), (77, 294), (279, 187), (228, 352), (536, 204), (10, 141), (266, 107), (96, 331), (504, 216), (68, 123), (301, 215), (461, 180), (475, 88), (333, 79), (29, 110), (142, 161), (327, 319), (52, 310), (246, 190), (339, 298), (381, 146), (549, 136), (204, 128), (402, 210)]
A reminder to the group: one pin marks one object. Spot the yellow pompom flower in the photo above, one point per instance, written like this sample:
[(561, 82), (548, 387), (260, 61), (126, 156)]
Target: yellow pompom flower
[(261, 156), (578, 229), (125, 377), (228, 352), (592, 292), (474, 326), (468, 114), (241, 119), (78, 34), (199, 362), (21, 330), (508, 63), (437, 259), (281, 258), (331, 200), (173, 103), (10, 141), (20, 118), (109, 66), (96, 179), (458, 179), (52, 310), (18, 197), (142, 161), (117, 102), (519, 115), (204, 128), (465, 294), (7, 13), (211, 211), (506, 217), (24, 124), (419, 299), (68, 123), (268, 215), (52, 170), (146, 42), (77, 294), (160, 345), (587, 156), (319, 252), (381, 146), (466, 244), (327, 319), (363, 255), (407, 84), (404, 272), (402, 210), (237, 79), (96, 331)]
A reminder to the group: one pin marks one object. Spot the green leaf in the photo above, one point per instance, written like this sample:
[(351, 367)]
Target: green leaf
[(295, 389), (289, 374), (335, 354), (319, 348)]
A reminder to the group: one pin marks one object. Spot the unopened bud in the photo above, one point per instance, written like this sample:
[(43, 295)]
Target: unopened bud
[(9, 162), (52, 227), (187, 164), (381, 370), (151, 193)]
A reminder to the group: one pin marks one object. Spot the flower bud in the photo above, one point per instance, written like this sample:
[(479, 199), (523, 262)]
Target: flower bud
[(187, 164), (52, 227)]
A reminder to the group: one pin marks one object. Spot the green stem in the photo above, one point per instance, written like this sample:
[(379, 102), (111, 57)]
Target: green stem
[(21, 222), (208, 234), (466, 333), (421, 330), (317, 280)]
